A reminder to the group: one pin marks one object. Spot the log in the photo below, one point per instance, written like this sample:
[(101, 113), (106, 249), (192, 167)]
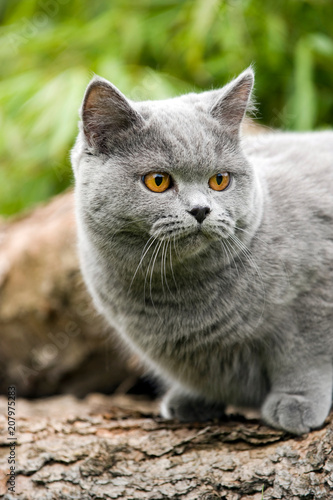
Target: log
[(106, 447)]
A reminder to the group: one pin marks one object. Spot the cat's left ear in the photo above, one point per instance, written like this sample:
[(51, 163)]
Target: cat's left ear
[(230, 108)]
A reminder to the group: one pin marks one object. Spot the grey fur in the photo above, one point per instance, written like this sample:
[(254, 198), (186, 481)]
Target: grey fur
[(236, 310)]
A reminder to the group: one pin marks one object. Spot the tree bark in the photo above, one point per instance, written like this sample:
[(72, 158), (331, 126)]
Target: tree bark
[(106, 447)]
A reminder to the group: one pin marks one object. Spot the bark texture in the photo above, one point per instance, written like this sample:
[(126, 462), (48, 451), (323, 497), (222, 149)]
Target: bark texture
[(107, 447)]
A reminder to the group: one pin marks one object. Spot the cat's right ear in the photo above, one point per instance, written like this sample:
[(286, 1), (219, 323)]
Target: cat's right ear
[(231, 106), (105, 114)]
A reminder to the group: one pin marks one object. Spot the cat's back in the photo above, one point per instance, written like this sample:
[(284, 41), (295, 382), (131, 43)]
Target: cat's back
[(297, 171), (291, 151)]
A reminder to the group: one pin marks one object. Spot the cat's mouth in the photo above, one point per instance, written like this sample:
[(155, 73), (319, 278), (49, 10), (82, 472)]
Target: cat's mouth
[(200, 233), (191, 241), (195, 242)]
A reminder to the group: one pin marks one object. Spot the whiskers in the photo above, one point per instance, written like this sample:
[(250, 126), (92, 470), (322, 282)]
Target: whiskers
[(158, 251), (244, 251), (123, 228), (266, 246), (155, 278), (145, 250)]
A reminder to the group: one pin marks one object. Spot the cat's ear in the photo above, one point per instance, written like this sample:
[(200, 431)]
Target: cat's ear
[(106, 113), (230, 108)]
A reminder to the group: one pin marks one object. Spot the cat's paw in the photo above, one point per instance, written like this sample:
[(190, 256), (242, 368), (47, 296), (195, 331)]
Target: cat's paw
[(190, 409), (292, 413)]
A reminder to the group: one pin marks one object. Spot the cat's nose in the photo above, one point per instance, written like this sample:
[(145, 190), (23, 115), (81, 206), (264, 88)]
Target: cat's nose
[(200, 213)]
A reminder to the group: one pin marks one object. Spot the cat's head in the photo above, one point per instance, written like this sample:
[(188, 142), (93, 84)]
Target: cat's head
[(171, 169)]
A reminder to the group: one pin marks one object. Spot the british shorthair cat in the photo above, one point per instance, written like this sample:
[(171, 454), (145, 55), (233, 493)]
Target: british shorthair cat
[(210, 252)]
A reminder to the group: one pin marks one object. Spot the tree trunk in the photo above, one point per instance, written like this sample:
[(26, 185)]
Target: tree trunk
[(106, 447)]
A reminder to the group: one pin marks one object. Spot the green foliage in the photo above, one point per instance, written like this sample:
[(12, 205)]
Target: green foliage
[(152, 49)]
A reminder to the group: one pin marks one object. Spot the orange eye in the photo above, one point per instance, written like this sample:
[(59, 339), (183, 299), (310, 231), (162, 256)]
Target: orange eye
[(220, 181), (157, 182)]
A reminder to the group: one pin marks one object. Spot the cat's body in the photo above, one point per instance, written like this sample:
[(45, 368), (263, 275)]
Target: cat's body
[(231, 306)]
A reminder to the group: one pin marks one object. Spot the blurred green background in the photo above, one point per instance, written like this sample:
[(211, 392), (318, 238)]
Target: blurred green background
[(49, 49)]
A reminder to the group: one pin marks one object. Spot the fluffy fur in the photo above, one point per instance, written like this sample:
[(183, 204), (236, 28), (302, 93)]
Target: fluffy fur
[(237, 309)]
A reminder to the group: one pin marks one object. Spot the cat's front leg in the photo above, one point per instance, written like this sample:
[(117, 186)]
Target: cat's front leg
[(189, 408), (300, 400)]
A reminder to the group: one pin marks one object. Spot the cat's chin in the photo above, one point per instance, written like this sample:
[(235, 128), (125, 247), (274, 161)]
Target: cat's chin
[(193, 244)]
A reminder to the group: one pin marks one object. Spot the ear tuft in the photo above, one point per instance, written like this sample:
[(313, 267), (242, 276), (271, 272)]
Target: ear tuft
[(230, 108), (105, 114)]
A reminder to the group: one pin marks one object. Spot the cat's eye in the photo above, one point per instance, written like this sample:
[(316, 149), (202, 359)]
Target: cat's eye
[(157, 181), (219, 181)]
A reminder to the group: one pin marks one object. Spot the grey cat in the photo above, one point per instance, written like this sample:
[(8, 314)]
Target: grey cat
[(209, 252)]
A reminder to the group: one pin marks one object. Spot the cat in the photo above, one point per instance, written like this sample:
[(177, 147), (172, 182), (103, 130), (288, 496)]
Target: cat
[(211, 252)]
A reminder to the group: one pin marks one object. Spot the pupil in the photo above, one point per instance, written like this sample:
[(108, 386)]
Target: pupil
[(219, 179), (158, 180)]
